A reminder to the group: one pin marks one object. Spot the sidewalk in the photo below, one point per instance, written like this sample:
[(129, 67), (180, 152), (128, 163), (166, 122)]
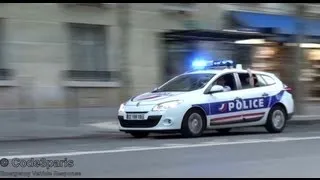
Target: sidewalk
[(59, 117), (32, 131), (87, 123), (34, 124)]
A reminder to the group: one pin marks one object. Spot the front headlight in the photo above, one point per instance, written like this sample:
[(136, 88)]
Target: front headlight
[(166, 105), (121, 109)]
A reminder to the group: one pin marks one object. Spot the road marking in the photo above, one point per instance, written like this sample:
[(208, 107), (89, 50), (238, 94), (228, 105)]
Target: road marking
[(159, 148), (248, 141), (281, 139), (82, 145), (171, 144), (133, 147), (215, 141), (69, 150), (14, 152)]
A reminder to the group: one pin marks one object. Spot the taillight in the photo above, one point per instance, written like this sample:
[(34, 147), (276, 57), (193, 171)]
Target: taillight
[(286, 88)]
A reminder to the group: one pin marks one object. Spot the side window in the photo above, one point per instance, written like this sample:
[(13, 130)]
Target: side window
[(257, 80), (227, 81), (269, 80), (260, 81), (244, 79)]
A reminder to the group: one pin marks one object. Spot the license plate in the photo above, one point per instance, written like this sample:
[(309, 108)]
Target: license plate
[(135, 116)]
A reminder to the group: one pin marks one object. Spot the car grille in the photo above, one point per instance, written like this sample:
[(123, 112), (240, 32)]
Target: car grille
[(150, 122)]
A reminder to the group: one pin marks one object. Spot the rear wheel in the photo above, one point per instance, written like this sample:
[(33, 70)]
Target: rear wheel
[(277, 120), (224, 131), (193, 124), (139, 134)]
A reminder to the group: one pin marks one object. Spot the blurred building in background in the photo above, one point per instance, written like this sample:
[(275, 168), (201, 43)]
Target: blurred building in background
[(61, 55)]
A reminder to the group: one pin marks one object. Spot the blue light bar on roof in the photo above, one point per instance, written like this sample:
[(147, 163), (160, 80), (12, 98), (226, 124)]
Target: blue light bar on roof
[(199, 64), (220, 64)]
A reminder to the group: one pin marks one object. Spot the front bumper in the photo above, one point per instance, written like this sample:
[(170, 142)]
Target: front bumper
[(151, 122), (169, 120)]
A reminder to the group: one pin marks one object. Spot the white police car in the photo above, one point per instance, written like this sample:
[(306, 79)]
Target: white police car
[(213, 98)]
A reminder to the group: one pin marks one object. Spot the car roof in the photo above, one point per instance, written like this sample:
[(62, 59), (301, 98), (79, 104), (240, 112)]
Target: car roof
[(231, 70)]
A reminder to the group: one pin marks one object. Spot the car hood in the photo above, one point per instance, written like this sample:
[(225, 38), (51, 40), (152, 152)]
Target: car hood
[(155, 98)]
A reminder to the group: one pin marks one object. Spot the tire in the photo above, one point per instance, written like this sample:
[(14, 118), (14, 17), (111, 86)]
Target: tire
[(139, 134), (224, 131), (193, 124), (277, 113)]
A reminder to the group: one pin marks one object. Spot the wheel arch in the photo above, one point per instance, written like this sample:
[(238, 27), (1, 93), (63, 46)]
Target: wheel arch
[(282, 106), (200, 109)]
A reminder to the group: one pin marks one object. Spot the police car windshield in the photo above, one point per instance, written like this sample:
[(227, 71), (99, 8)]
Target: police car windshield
[(186, 82)]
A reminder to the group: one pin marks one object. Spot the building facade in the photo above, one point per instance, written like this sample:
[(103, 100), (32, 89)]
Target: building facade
[(61, 55)]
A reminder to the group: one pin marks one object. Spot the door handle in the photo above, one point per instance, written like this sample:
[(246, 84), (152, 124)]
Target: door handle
[(237, 98), (265, 94)]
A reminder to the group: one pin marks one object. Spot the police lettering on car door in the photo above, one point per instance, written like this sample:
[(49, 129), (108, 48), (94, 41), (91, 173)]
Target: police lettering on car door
[(241, 105), (247, 104)]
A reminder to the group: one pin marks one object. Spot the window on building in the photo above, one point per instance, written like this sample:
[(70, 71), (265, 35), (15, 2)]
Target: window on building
[(88, 47), (88, 52), (274, 8), (181, 7), (5, 74), (1, 40)]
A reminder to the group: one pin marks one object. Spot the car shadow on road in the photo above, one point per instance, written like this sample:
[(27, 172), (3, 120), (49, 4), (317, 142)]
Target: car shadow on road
[(209, 134)]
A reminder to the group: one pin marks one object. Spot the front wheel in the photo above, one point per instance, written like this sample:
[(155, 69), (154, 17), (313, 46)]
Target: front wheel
[(277, 119), (139, 134), (193, 124)]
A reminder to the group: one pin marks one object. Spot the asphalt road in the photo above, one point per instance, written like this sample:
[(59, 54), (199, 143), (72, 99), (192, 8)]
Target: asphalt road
[(243, 153)]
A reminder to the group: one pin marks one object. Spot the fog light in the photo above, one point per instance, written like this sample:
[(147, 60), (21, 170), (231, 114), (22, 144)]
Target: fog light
[(167, 122)]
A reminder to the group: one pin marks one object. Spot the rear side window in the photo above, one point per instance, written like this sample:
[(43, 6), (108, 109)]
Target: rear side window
[(260, 81), (269, 80)]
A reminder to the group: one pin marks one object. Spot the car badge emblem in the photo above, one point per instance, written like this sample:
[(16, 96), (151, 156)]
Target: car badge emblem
[(138, 104)]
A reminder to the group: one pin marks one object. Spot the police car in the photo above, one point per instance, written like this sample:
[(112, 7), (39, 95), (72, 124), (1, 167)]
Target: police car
[(220, 97)]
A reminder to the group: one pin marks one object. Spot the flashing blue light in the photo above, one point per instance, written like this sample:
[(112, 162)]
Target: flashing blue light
[(200, 63)]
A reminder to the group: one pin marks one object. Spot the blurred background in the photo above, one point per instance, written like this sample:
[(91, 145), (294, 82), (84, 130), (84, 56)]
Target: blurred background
[(73, 64)]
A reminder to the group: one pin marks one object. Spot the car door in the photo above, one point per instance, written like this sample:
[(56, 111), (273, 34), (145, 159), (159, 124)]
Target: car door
[(222, 105), (255, 98)]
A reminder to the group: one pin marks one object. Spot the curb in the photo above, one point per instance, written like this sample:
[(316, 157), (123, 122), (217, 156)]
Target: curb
[(304, 122), (305, 119)]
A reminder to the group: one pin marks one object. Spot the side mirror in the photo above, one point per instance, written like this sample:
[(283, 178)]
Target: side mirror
[(216, 89)]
